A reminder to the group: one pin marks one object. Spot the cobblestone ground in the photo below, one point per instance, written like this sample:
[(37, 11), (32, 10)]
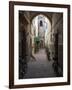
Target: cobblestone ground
[(41, 67)]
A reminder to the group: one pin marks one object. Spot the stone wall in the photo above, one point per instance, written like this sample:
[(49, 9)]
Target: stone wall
[(57, 29), (24, 42)]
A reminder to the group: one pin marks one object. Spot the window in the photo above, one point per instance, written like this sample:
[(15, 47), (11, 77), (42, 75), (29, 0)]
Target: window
[(41, 23)]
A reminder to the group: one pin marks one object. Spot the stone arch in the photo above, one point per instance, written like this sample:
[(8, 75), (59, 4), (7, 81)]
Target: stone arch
[(47, 29), (47, 15)]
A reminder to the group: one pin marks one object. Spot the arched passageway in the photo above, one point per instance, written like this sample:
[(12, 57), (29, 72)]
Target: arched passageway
[(40, 44), (40, 64), (40, 27)]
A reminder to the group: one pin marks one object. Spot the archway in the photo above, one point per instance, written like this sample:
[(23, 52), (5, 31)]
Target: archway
[(47, 15), (40, 27), (39, 65)]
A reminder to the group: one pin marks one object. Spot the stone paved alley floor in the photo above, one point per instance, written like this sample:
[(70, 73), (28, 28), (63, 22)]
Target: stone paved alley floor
[(41, 67)]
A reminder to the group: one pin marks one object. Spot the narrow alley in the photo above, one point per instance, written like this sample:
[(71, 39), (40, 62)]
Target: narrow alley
[(40, 44), (41, 67)]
